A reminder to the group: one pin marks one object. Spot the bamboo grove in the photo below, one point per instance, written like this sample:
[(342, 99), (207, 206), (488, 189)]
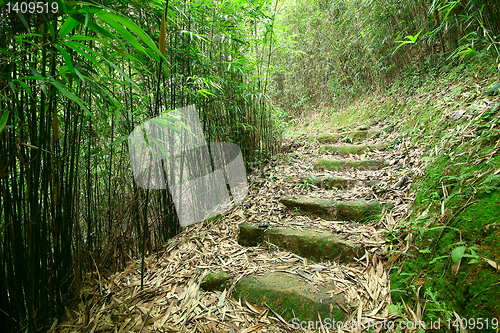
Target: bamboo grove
[(337, 50), (73, 84)]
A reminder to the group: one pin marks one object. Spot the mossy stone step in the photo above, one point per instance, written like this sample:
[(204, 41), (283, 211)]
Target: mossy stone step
[(358, 136), (291, 296), (311, 244), (355, 210), (342, 165), (353, 149), (328, 138), (339, 182), (351, 136)]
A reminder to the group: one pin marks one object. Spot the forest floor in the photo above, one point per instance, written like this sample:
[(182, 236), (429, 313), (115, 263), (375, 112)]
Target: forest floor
[(172, 299)]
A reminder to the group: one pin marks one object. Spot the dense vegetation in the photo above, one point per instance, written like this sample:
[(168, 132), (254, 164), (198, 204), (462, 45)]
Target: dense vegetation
[(337, 50), (74, 83)]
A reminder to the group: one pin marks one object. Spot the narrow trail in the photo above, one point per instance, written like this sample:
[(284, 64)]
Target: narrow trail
[(310, 241)]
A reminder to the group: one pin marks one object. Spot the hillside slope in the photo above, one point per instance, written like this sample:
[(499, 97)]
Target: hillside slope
[(447, 250)]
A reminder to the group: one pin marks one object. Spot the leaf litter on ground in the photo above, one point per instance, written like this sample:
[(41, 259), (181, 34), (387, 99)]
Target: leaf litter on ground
[(172, 300)]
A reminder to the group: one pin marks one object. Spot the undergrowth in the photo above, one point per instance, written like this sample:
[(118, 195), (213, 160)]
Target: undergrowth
[(454, 264)]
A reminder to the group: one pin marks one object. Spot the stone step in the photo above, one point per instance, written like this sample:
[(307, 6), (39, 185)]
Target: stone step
[(358, 136), (328, 138), (338, 182), (318, 246), (355, 210), (342, 165), (292, 297), (351, 136), (353, 149)]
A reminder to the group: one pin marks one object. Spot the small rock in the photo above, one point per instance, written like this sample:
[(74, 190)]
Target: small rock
[(458, 114), (218, 280)]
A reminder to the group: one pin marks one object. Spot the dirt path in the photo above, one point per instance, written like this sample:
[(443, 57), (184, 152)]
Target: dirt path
[(291, 284)]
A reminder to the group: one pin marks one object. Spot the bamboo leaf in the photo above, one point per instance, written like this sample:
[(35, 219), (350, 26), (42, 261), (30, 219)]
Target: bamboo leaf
[(81, 37), (94, 26), (162, 35), (67, 59), (84, 51), (161, 145), (163, 122), (122, 73), (68, 26), (174, 119), (126, 34), (109, 17), (70, 95), (119, 140), (493, 89), (3, 120), (23, 20), (205, 92)]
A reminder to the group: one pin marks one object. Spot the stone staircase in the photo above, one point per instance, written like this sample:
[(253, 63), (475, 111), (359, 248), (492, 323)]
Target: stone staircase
[(288, 290)]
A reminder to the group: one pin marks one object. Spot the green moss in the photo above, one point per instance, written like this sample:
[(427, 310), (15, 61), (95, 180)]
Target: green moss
[(353, 149), (474, 209), (314, 245), (218, 280), (328, 138), (290, 296), (340, 165), (250, 235)]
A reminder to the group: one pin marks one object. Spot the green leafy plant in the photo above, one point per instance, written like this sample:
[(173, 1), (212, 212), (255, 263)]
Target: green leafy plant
[(411, 40)]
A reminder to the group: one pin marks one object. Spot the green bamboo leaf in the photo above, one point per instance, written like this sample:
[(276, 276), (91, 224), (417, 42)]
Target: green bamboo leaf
[(3, 120), (94, 26), (63, 69), (11, 85), (51, 27), (119, 140), (122, 73), (70, 95), (84, 51), (25, 87), (82, 77), (205, 92), (126, 34), (110, 17), (161, 145), (163, 122), (23, 20), (67, 59), (493, 89), (173, 119), (68, 26), (80, 37), (88, 17), (239, 41), (155, 56)]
